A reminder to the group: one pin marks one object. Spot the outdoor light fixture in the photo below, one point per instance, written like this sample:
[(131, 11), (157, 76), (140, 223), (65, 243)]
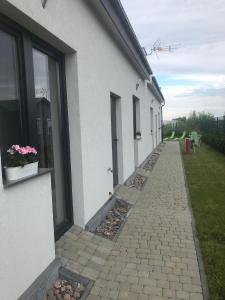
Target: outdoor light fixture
[(138, 84), (44, 3), (138, 136)]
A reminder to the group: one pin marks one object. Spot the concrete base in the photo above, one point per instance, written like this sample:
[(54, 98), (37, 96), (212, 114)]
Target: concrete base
[(45, 281), (38, 289), (71, 276), (100, 215), (102, 212)]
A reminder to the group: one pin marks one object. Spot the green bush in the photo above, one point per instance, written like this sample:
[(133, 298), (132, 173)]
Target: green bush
[(215, 140)]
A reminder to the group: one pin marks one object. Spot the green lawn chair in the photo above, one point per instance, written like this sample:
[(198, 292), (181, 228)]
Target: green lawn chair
[(182, 137), (171, 137), (196, 139)]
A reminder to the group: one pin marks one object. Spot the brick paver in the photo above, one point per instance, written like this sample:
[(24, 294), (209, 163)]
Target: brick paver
[(154, 257)]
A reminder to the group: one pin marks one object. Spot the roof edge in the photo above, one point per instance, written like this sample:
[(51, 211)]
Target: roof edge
[(155, 89), (154, 80), (119, 18)]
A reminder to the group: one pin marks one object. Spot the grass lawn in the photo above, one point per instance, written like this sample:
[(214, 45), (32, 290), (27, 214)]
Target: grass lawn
[(206, 178)]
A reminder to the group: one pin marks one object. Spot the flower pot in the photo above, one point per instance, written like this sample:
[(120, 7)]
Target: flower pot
[(16, 173)]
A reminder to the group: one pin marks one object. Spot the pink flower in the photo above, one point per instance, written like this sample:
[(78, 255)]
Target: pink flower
[(31, 150), (22, 150), (15, 147)]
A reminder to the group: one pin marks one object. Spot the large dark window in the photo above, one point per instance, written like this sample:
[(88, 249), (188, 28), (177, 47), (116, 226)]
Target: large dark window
[(33, 109), (10, 119)]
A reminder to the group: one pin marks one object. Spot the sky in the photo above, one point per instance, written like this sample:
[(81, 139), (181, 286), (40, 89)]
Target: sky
[(192, 76)]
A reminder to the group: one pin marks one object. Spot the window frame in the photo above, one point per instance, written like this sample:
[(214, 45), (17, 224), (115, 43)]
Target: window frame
[(25, 41)]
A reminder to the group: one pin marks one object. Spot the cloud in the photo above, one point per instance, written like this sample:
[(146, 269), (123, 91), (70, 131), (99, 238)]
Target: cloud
[(193, 76), (196, 84), (178, 106), (217, 80), (205, 92), (199, 59), (178, 90)]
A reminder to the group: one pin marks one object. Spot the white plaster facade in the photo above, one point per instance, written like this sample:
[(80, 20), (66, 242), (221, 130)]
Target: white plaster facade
[(97, 63), (27, 234)]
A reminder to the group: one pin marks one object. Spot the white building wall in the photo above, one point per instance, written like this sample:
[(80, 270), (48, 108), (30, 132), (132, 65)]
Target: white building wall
[(27, 236), (101, 67), (146, 145)]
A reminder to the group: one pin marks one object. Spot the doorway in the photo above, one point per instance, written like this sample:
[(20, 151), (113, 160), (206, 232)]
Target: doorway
[(49, 138), (152, 126), (115, 136), (33, 102)]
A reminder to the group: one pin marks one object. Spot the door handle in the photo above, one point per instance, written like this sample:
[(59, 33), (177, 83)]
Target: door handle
[(115, 140)]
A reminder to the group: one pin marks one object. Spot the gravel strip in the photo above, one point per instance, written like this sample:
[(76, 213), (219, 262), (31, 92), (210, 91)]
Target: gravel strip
[(65, 290), (113, 221), (138, 182)]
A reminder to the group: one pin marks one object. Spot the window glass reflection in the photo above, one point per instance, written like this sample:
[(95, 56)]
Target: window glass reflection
[(41, 76), (9, 93), (47, 98)]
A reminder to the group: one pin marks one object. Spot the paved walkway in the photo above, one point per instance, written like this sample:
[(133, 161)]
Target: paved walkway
[(154, 257)]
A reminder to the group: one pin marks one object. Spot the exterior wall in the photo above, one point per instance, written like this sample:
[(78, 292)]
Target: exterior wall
[(145, 144), (27, 234), (97, 67)]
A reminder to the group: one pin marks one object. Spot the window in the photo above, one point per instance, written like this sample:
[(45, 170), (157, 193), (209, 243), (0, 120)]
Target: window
[(10, 119), (136, 116), (33, 109)]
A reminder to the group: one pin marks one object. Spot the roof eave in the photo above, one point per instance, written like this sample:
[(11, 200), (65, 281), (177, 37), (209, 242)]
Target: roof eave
[(118, 17), (159, 96)]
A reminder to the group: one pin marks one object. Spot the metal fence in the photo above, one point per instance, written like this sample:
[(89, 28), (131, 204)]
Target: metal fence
[(214, 125), (211, 129), (214, 133), (203, 125)]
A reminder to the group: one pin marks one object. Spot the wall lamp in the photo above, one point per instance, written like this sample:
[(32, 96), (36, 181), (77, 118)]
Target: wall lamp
[(138, 84)]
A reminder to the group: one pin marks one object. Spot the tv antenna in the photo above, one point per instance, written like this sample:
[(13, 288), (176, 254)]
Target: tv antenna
[(158, 47)]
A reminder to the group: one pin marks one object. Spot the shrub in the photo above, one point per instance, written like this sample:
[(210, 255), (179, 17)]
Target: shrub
[(216, 140)]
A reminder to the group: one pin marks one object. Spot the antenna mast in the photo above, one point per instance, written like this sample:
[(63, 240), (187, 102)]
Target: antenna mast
[(158, 47)]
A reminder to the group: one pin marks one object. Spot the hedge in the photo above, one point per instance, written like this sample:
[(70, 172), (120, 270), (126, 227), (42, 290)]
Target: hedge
[(216, 140)]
